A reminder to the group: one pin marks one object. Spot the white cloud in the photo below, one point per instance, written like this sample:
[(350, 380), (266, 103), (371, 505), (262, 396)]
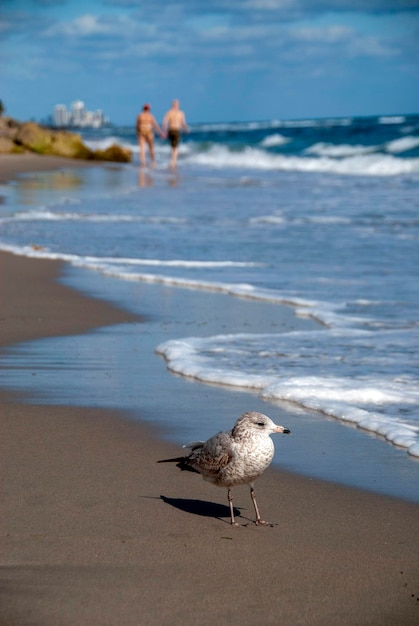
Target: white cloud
[(349, 42), (90, 25), (328, 34), (82, 26), (372, 47)]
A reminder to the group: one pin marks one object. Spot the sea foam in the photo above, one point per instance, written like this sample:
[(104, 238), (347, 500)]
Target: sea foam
[(280, 367), (363, 164)]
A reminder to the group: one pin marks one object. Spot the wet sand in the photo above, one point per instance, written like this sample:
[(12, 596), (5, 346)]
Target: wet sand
[(95, 532), (11, 165)]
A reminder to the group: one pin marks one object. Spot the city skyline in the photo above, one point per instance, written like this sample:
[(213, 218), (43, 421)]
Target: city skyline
[(78, 116)]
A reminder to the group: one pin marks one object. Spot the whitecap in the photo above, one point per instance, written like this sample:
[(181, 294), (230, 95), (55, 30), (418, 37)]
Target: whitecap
[(392, 119), (360, 165), (48, 215), (404, 144), (342, 150), (271, 141)]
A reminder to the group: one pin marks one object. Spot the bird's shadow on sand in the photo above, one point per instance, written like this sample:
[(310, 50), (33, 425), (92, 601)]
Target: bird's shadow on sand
[(202, 507)]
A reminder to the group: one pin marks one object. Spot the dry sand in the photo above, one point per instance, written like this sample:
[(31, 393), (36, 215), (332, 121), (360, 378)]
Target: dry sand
[(95, 532)]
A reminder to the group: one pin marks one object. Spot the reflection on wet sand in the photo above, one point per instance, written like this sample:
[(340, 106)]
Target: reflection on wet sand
[(144, 178), (28, 187), (174, 181)]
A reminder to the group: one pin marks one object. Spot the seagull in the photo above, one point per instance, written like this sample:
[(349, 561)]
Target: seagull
[(235, 457)]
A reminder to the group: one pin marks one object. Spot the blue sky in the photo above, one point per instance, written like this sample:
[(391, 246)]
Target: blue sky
[(226, 60)]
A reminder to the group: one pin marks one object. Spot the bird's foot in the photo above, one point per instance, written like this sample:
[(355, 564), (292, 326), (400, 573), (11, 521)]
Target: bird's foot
[(261, 522)]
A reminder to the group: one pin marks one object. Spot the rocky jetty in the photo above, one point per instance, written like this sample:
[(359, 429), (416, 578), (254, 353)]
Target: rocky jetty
[(18, 137)]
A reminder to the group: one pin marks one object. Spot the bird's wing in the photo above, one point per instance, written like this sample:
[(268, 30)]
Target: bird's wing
[(213, 455), (194, 445)]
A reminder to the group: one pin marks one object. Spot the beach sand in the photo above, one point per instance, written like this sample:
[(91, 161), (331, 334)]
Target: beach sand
[(11, 165), (95, 532)]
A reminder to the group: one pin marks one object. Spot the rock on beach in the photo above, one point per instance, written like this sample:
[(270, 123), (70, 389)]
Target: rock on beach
[(18, 137)]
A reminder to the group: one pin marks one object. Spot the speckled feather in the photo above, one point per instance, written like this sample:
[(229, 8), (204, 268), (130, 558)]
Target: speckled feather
[(238, 456)]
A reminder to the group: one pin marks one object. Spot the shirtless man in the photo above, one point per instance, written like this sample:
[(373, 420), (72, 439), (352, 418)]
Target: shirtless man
[(173, 123), (146, 125)]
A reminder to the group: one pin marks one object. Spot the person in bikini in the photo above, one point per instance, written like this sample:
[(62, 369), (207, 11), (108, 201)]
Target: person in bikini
[(173, 123), (146, 125)]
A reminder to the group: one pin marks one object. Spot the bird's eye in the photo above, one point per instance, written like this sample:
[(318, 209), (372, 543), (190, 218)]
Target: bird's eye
[(261, 423)]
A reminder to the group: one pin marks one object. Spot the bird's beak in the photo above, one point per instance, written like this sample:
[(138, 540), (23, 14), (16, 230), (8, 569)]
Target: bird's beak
[(282, 429)]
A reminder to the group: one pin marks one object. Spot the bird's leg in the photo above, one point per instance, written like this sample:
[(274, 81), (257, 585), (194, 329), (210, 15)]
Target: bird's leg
[(259, 520), (230, 501)]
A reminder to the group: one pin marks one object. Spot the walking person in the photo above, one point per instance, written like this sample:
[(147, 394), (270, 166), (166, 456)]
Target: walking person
[(173, 123), (146, 125)]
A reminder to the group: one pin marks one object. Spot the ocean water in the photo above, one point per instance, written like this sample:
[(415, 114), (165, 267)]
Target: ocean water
[(319, 215)]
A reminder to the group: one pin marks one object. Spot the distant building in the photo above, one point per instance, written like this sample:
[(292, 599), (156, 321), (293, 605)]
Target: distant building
[(61, 115), (78, 113), (78, 116)]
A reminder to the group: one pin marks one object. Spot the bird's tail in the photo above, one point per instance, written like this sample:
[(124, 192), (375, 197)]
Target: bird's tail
[(182, 462)]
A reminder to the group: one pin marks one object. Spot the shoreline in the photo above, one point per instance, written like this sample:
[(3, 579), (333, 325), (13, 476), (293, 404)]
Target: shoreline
[(12, 165), (72, 313), (95, 532)]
